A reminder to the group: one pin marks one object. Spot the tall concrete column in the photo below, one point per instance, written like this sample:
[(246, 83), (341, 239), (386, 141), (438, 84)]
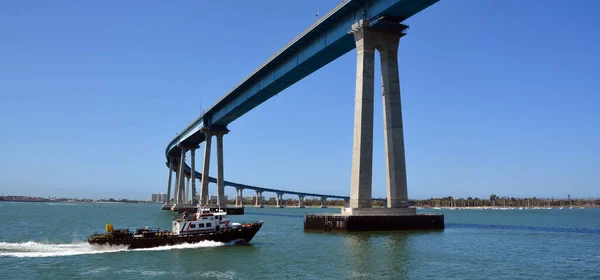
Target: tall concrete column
[(362, 148), (300, 201), (205, 168), (176, 190), (221, 201), (170, 180), (181, 178), (195, 195), (259, 203), (187, 189), (193, 159), (176, 182), (237, 196), (323, 202), (182, 189), (279, 198), (397, 196), (241, 197)]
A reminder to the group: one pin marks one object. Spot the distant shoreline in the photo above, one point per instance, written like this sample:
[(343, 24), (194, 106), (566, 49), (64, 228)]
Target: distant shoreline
[(65, 201), (70, 200), (448, 203), (329, 206)]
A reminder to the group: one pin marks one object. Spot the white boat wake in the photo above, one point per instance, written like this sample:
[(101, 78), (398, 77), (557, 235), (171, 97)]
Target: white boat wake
[(201, 244), (32, 249)]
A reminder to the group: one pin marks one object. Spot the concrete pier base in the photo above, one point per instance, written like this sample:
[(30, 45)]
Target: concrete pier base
[(379, 211), (372, 222), (181, 207)]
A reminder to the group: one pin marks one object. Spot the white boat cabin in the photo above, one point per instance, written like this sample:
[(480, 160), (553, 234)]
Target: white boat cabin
[(203, 221)]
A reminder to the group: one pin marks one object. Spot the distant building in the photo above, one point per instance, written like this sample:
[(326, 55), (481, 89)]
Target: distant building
[(253, 198), (213, 198), (159, 197)]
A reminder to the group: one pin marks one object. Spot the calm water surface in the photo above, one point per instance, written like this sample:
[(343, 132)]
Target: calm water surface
[(47, 240)]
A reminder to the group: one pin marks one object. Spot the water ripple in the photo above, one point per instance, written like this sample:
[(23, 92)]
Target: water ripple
[(528, 228), (477, 226)]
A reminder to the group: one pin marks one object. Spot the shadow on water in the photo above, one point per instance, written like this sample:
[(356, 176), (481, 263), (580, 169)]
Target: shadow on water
[(371, 253)]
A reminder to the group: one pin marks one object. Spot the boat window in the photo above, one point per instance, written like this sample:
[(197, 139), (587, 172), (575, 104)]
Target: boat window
[(208, 225), (200, 225), (193, 226)]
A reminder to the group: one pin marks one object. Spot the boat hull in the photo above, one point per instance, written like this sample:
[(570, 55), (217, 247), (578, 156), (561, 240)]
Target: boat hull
[(241, 234)]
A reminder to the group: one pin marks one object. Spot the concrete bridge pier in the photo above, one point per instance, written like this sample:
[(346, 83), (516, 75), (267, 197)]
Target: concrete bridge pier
[(180, 196), (259, 202), (181, 192), (170, 180), (187, 190), (221, 201), (205, 171), (239, 198), (181, 177), (279, 200), (168, 204), (323, 202), (209, 133), (300, 201), (386, 41), (193, 159), (362, 147), (360, 216), (397, 193), (195, 194)]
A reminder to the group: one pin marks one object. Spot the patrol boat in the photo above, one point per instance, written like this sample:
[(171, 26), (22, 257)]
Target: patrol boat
[(189, 228)]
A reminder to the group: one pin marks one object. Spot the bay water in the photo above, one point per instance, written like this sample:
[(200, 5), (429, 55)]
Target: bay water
[(48, 241)]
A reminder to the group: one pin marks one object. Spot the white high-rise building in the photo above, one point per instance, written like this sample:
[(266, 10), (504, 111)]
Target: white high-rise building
[(159, 197)]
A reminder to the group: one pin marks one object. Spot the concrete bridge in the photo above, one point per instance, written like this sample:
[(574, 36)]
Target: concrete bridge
[(189, 198), (365, 25)]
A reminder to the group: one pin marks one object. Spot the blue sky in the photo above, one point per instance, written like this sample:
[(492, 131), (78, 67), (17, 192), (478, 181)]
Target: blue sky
[(498, 97)]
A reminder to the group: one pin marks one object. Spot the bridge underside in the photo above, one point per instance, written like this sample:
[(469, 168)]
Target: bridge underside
[(364, 25), (323, 42)]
